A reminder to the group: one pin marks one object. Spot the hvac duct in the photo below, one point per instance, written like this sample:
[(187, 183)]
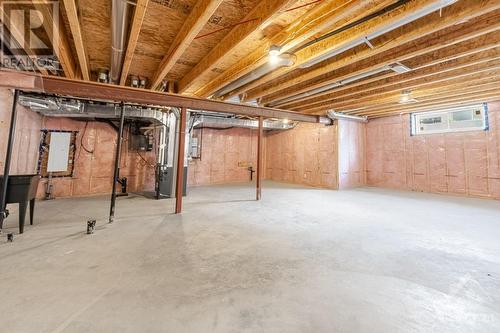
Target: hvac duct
[(337, 115), (333, 85), (119, 29), (437, 5), (221, 122), (51, 107), (282, 61)]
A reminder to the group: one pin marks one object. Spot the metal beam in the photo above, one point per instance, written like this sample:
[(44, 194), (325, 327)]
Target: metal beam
[(118, 154), (179, 183), (8, 155), (106, 92), (259, 158)]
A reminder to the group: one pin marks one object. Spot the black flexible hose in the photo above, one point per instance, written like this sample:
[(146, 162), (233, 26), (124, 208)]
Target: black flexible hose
[(380, 12)]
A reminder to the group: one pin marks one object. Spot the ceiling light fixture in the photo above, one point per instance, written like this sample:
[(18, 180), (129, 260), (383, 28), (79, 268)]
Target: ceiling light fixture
[(406, 98), (274, 54)]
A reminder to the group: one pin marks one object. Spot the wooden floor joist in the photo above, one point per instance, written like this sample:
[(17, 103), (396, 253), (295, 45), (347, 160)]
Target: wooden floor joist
[(261, 15), (479, 62), (76, 32), (456, 13)]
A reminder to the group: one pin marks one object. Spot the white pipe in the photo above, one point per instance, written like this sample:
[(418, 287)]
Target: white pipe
[(332, 85), (119, 28), (283, 60), (384, 29), (337, 115)]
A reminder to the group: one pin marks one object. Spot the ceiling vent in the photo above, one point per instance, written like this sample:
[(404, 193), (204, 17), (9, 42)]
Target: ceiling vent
[(400, 68)]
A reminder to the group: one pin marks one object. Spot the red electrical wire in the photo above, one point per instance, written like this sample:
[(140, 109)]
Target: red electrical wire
[(304, 5), (255, 19), (225, 28)]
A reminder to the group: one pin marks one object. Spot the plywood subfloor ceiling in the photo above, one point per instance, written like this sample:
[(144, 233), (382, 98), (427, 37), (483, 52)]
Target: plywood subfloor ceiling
[(353, 56)]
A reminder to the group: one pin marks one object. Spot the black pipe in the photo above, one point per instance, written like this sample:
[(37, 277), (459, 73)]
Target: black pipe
[(8, 155), (378, 13), (117, 164)]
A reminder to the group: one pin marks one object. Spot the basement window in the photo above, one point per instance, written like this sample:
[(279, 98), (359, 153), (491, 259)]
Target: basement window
[(459, 119)]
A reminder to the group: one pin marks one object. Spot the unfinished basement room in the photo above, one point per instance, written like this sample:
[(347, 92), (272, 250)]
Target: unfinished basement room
[(250, 166)]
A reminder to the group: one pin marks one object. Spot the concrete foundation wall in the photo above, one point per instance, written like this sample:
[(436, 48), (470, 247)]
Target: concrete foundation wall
[(225, 156), (305, 155), (466, 163)]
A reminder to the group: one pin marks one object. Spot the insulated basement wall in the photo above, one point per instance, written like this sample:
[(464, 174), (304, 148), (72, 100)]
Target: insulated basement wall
[(351, 138), (27, 139), (466, 163), (305, 155), (226, 155), (93, 172)]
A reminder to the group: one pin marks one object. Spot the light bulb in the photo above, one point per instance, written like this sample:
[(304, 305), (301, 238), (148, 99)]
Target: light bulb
[(274, 54)]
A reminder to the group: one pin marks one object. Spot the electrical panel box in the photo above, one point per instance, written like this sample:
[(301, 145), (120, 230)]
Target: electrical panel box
[(140, 142), (194, 148)]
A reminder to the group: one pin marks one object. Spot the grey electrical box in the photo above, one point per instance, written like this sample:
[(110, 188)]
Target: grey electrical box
[(140, 142)]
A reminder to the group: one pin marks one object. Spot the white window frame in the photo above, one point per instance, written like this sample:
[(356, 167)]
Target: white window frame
[(414, 120)]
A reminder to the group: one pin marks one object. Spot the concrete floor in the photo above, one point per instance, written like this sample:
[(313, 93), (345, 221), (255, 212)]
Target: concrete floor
[(301, 260)]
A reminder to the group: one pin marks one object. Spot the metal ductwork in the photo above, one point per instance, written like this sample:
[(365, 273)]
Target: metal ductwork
[(119, 29), (396, 67), (285, 60), (337, 115), (53, 107), (221, 122)]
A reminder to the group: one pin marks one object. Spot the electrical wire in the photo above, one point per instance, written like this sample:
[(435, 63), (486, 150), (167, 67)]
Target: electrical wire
[(145, 161), (82, 146), (225, 28), (301, 6), (254, 19), (81, 140), (373, 15)]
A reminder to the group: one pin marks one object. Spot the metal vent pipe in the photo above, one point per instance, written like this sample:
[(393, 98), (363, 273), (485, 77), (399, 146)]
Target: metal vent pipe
[(337, 115), (284, 60), (119, 29)]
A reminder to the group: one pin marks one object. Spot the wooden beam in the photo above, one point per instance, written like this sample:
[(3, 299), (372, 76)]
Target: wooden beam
[(139, 13), (179, 181), (18, 36), (426, 75), (451, 92), (388, 99), (474, 76), (196, 20), (260, 158), (439, 104), (74, 24), (263, 12), (487, 99), (458, 13), (487, 70), (106, 92), (59, 39), (468, 48), (326, 15), (414, 56)]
